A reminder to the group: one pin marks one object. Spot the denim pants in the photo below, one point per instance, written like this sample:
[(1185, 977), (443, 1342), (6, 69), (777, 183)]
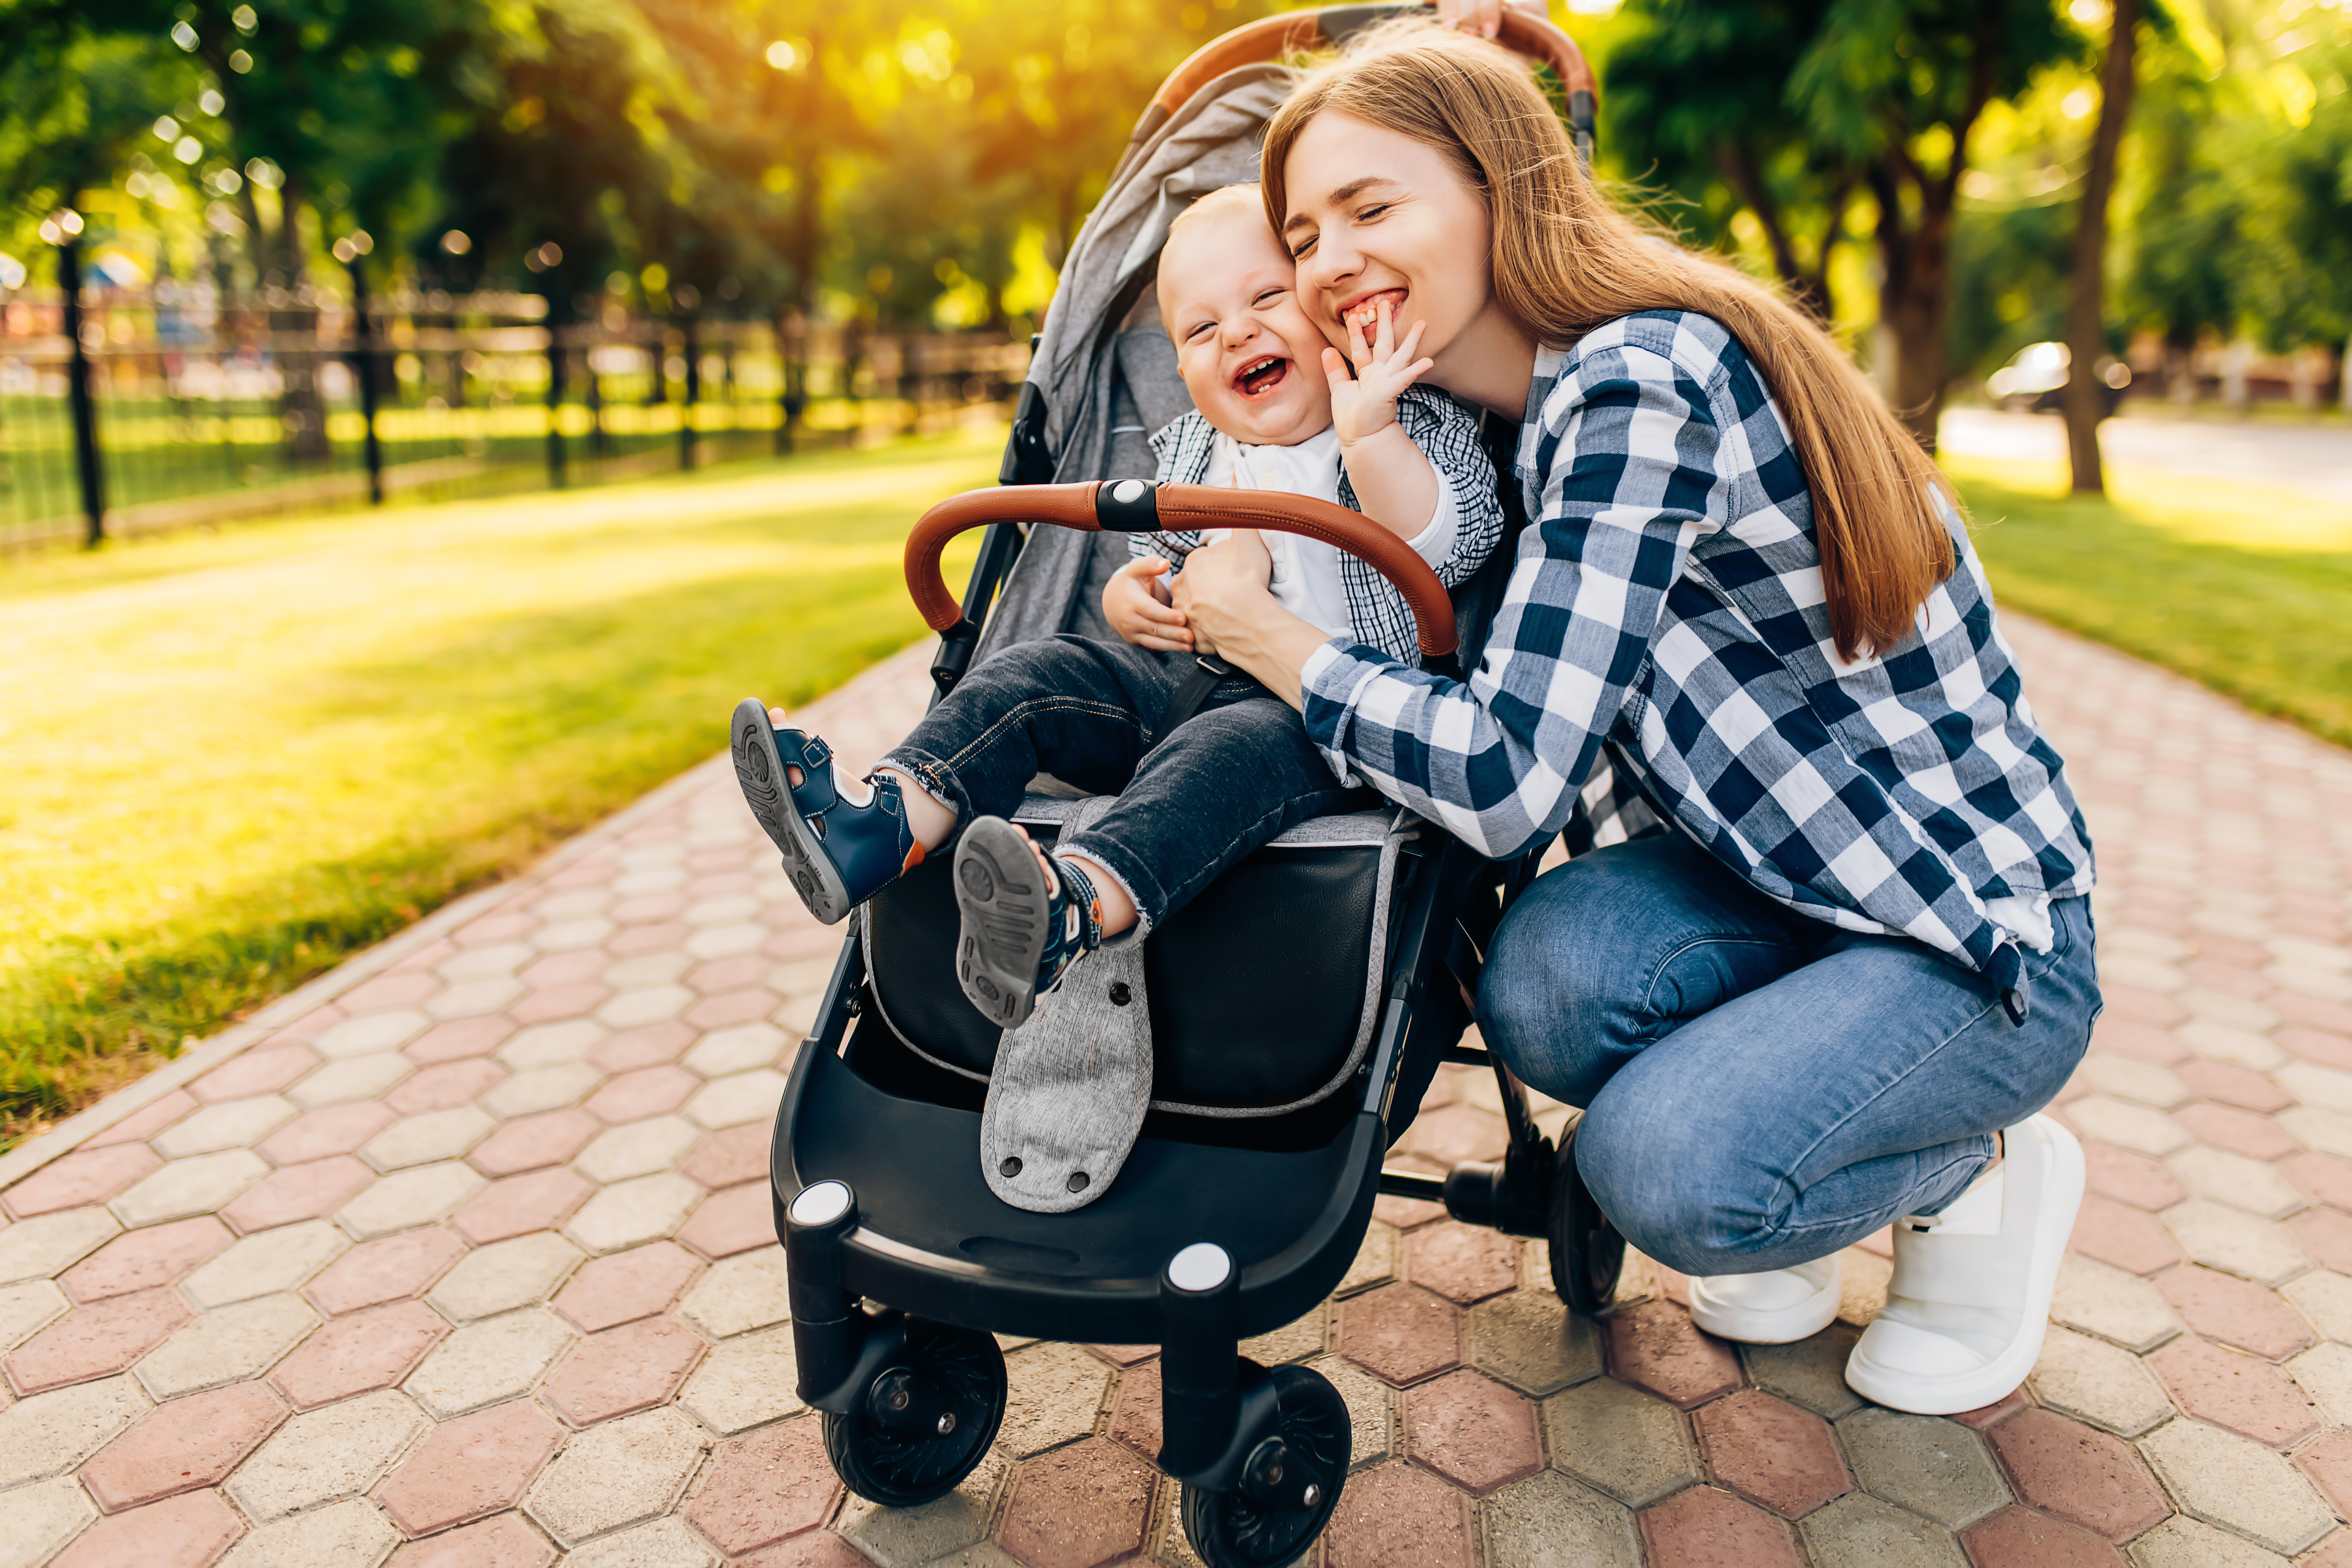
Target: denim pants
[(1237, 773), (1763, 1088)]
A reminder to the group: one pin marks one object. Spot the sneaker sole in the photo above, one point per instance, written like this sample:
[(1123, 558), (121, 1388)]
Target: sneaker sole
[(2006, 1372), (760, 769), (999, 897), (1784, 1327)]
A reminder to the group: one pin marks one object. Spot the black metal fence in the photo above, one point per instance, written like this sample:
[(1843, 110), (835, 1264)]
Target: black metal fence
[(202, 406)]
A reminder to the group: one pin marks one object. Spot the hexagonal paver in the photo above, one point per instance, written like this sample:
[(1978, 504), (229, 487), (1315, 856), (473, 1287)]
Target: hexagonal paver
[(2098, 1383), (1810, 1373), (552, 1044), (489, 1363), (429, 1136), (254, 1072), (738, 1294), (2235, 1391), (326, 1454), (728, 1158), (231, 1125), (50, 1434), (367, 1350), (2019, 1537), (142, 1259), (1531, 1341), (444, 1086), (2234, 1312), (330, 1130), (616, 1475), (406, 1199), (625, 1286), (96, 1340), (36, 1248), (2234, 1241), (296, 1192), (1930, 1466), (1704, 1527), (1772, 1452), (473, 1466), (1394, 1514), (2080, 1474), (2126, 1238), (371, 1033), (1473, 1431), (731, 1222), (1463, 1263), (359, 1078), (196, 1185), (188, 1444), (637, 1149), (263, 1265), (517, 1205), (762, 1488), (1859, 1530), (1056, 1392), (504, 1275), (46, 1515), (2113, 1303), (353, 1531), (622, 1370), (2238, 1484), (951, 1530), (84, 1177), (389, 1270), (747, 1381), (1400, 1333), (1654, 1345), (632, 1213), (227, 1344), (541, 1088), (1631, 1446), (186, 1531)]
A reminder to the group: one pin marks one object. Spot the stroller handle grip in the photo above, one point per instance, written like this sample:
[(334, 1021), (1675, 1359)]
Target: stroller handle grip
[(1130, 506), (1274, 36)]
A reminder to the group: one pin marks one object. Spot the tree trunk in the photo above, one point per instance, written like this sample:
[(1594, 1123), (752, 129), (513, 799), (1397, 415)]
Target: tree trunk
[(1914, 300), (2086, 288)]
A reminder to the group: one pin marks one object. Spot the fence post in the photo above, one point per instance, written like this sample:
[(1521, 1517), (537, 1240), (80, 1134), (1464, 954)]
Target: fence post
[(693, 392), (77, 393), (363, 366), (555, 369)]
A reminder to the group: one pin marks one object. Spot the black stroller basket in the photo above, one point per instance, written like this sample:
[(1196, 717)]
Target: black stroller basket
[(1276, 1086)]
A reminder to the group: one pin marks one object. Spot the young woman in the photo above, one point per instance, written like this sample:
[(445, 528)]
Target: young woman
[(1834, 992)]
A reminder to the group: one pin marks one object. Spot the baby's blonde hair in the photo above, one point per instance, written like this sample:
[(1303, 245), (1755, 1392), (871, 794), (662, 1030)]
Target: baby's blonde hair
[(1225, 196)]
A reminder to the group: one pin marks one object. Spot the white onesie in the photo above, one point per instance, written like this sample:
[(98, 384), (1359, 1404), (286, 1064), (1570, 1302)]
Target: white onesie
[(1306, 571)]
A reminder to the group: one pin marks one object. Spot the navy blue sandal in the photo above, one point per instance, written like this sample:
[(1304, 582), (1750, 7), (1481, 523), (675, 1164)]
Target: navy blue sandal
[(1020, 926), (838, 854)]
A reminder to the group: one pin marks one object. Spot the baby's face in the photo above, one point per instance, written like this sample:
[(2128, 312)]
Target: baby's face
[(1248, 355)]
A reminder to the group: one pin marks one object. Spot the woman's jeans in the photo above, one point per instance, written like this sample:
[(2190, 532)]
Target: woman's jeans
[(1763, 1088), (1240, 771)]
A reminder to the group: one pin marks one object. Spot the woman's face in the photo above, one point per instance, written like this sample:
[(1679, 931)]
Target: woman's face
[(1374, 213)]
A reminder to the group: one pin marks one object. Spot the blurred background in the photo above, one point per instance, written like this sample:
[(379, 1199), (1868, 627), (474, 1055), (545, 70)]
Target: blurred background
[(545, 242)]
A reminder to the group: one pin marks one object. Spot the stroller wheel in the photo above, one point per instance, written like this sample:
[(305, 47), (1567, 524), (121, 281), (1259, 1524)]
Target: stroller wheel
[(1587, 1253), (925, 1421), (1290, 1488)]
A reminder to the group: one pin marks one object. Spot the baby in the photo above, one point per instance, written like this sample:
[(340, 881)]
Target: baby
[(1239, 772)]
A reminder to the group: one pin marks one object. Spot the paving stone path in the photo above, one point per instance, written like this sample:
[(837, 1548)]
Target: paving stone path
[(462, 1257)]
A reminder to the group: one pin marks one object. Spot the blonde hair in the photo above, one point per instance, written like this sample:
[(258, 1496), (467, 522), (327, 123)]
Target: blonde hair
[(1567, 260)]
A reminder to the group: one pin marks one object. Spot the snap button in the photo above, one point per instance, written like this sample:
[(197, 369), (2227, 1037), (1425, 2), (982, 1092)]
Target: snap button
[(1127, 492), (1077, 1183), (1011, 1166), (1119, 994)]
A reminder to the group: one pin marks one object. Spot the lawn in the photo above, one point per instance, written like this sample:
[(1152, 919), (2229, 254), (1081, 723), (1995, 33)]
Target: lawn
[(229, 760), (2247, 591)]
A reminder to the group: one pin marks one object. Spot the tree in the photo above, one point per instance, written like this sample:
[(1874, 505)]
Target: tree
[(2086, 285)]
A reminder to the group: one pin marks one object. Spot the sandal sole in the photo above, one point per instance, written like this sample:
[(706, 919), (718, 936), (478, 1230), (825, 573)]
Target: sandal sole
[(760, 770), (1001, 900)]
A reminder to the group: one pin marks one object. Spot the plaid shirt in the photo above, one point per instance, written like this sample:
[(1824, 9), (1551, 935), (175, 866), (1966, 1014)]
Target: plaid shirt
[(1666, 608), (1447, 435)]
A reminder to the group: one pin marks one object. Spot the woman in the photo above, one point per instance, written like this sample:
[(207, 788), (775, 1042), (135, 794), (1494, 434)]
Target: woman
[(1834, 993)]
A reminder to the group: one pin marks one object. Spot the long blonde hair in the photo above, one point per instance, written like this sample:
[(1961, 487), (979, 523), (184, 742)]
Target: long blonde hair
[(1566, 260)]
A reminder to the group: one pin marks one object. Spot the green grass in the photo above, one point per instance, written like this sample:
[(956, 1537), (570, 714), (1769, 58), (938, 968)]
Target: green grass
[(2249, 591), (226, 762)]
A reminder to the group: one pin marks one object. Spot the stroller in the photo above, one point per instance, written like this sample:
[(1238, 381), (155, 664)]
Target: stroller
[(1250, 1190)]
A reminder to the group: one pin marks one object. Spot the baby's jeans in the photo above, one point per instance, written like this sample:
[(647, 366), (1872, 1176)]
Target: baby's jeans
[(1240, 771)]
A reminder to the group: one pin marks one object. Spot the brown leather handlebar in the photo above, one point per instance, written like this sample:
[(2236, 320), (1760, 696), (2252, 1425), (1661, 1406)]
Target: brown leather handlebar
[(1179, 508), (1273, 36)]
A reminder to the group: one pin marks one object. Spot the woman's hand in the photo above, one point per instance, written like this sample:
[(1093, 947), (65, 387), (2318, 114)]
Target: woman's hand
[(1484, 17), (1223, 596), (1134, 605)]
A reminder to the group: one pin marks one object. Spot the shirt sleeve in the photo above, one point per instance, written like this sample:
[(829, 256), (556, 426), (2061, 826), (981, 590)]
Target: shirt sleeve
[(1447, 434), (1627, 450)]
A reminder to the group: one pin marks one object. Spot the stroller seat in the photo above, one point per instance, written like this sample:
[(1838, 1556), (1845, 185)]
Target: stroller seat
[(1314, 904)]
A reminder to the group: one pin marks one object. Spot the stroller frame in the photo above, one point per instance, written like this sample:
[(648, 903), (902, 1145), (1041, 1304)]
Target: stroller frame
[(903, 1266)]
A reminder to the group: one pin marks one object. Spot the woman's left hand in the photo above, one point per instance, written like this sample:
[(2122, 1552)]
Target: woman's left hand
[(1224, 588)]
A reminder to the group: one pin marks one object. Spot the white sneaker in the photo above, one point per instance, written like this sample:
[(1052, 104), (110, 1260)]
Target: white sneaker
[(1777, 1307), (1970, 1300)]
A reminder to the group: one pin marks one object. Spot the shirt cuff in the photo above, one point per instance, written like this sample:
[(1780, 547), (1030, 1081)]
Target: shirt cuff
[(1330, 683), (1434, 543)]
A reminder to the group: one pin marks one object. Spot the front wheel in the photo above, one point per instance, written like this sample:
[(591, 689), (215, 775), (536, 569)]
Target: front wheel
[(1587, 1253), (1292, 1485), (927, 1420)]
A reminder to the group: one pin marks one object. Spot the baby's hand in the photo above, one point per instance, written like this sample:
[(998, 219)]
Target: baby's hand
[(1367, 402), (1134, 603)]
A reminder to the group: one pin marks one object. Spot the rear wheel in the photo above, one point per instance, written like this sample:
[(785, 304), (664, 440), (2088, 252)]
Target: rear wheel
[(1290, 1485), (926, 1420), (1587, 1253)]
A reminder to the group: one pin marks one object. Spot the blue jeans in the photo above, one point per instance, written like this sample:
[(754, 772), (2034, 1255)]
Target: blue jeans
[(1240, 771), (1763, 1088)]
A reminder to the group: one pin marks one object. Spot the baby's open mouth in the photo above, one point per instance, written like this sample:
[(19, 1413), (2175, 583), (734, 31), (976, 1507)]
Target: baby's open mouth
[(1261, 376)]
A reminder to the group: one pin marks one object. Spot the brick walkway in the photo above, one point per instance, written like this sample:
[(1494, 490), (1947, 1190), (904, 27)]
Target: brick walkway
[(461, 1256)]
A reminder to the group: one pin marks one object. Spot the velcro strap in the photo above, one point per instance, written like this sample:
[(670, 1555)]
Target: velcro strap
[(814, 752)]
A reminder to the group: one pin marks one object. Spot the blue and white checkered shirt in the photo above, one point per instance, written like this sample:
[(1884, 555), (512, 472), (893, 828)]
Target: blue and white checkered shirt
[(1665, 607)]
